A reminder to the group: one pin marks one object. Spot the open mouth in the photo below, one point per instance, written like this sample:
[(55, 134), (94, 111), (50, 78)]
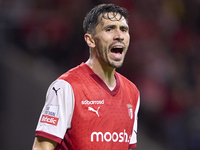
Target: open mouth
[(117, 49)]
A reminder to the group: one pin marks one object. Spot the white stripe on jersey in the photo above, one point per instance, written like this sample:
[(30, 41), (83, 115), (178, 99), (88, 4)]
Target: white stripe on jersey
[(134, 134)]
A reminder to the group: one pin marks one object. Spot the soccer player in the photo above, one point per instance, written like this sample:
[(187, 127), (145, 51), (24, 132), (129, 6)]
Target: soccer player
[(92, 107)]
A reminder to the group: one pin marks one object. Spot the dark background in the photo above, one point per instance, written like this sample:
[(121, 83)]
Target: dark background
[(41, 39)]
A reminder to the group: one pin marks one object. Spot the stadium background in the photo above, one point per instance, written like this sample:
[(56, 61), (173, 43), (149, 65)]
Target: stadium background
[(41, 39)]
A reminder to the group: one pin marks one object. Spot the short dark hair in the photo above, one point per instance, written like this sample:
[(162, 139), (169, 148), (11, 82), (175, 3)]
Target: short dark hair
[(91, 19)]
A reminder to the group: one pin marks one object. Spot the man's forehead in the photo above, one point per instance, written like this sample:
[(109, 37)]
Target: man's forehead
[(112, 16)]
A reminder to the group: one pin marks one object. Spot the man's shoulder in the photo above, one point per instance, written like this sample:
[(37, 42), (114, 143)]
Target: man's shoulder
[(71, 74), (75, 74)]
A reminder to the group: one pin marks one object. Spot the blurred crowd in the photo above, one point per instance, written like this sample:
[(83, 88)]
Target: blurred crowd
[(163, 58)]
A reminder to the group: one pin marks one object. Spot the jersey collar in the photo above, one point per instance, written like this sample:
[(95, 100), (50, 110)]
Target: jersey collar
[(100, 81)]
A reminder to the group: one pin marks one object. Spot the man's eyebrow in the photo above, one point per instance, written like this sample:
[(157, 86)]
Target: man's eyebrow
[(124, 27), (110, 26)]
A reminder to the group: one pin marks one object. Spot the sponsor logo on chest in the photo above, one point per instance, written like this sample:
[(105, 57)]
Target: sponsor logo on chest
[(90, 107), (93, 102), (110, 137)]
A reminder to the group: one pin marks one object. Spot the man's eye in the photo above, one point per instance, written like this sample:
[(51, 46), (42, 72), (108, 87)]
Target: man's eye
[(108, 29), (124, 30)]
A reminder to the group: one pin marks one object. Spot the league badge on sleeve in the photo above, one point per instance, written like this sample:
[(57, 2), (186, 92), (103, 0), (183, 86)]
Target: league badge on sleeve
[(50, 115), (130, 111)]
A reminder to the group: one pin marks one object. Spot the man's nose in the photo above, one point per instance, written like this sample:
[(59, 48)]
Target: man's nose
[(118, 35)]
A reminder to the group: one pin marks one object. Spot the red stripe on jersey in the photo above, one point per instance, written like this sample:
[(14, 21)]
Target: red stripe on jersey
[(48, 136), (132, 146)]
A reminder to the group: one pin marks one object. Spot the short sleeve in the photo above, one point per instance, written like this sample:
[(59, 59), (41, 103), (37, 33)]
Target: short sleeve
[(57, 112), (133, 139)]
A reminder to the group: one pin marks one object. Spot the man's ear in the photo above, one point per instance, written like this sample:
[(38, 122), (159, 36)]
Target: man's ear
[(89, 40)]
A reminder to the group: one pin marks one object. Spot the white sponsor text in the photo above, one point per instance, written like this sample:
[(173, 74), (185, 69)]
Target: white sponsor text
[(107, 136), (87, 102)]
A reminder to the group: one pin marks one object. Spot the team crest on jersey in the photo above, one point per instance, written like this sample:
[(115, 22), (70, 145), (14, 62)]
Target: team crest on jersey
[(130, 111)]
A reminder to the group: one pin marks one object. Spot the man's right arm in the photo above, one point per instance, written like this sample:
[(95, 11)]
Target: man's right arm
[(42, 143)]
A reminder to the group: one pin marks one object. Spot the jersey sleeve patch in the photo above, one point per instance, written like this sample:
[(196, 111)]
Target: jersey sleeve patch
[(50, 115)]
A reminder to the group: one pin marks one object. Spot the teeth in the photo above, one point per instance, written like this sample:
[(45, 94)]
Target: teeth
[(117, 47)]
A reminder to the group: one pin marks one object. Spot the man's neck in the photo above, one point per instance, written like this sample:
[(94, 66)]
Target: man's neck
[(105, 72)]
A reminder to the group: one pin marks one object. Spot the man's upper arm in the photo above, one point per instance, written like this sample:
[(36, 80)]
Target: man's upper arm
[(42, 143)]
